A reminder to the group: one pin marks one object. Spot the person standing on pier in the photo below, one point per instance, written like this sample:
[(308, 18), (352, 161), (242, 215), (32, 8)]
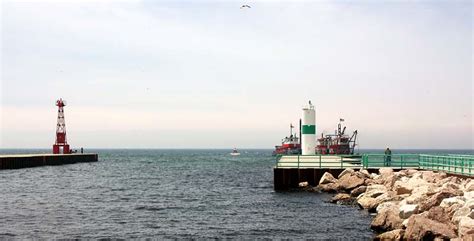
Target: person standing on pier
[(388, 157)]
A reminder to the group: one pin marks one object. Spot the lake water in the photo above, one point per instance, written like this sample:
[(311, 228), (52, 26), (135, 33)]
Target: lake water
[(167, 194)]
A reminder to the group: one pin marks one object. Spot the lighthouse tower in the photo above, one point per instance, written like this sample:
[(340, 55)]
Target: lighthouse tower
[(61, 141), (308, 131)]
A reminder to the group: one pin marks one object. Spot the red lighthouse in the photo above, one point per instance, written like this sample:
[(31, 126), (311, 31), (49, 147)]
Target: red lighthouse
[(61, 141)]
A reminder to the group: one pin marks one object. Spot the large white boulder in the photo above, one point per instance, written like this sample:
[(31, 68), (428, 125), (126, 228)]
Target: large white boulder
[(416, 181), (407, 210), (419, 194), (374, 196), (327, 178)]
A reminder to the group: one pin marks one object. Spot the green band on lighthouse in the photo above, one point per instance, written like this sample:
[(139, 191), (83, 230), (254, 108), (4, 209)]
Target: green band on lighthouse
[(308, 129)]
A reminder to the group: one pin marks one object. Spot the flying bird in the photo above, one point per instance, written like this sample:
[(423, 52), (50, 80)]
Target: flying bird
[(245, 6)]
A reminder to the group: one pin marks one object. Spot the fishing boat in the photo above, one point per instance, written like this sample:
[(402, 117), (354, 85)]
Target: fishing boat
[(235, 152), (289, 145), (337, 143)]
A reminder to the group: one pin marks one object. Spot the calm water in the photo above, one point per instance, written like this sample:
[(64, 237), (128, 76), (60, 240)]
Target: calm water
[(168, 193)]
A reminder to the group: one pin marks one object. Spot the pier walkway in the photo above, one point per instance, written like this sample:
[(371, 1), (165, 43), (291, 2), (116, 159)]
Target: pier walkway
[(35, 160), (289, 170)]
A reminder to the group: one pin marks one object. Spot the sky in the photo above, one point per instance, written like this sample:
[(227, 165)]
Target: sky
[(208, 74)]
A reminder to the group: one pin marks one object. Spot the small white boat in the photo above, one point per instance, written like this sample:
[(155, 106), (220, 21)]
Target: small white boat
[(235, 152)]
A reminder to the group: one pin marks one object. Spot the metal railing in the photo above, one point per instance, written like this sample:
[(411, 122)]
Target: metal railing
[(455, 164), (318, 161), (399, 161)]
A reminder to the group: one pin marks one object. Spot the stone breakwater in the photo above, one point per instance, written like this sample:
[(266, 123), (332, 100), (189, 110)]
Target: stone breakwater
[(409, 204)]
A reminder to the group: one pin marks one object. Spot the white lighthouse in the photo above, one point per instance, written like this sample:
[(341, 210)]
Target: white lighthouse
[(308, 131)]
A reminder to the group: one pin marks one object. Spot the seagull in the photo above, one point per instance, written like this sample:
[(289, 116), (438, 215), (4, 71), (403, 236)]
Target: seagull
[(245, 6)]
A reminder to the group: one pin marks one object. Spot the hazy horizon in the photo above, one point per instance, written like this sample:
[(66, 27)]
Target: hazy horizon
[(208, 74), (219, 149)]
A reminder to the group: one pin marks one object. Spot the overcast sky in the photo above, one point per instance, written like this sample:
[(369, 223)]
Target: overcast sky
[(208, 74)]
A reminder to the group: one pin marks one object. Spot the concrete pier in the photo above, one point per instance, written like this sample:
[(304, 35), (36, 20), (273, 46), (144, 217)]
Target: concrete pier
[(293, 169), (36, 160)]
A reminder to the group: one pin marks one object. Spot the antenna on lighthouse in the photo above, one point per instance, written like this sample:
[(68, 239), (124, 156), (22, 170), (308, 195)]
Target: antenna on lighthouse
[(61, 141)]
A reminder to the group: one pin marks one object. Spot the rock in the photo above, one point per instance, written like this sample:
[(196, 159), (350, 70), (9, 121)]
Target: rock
[(450, 179), (419, 194), (433, 177), (471, 214), (459, 214), (374, 175), (342, 198), (436, 199), (439, 214), (372, 192), (327, 178), (400, 190), (447, 202), (387, 205), (389, 181), (387, 217), (374, 189), (369, 182), (405, 223), (466, 228), (406, 210), (450, 185), (329, 187), (350, 181), (402, 187), (396, 234), (408, 172), (358, 190), (449, 211), (469, 186), (303, 184), (469, 195), (365, 173), (422, 228), (469, 203), (346, 171), (368, 203), (385, 171), (371, 203), (416, 181)]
